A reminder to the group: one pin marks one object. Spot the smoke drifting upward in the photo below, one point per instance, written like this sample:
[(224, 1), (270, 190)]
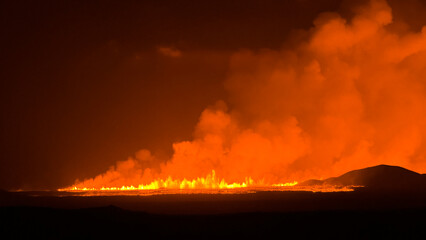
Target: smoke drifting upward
[(349, 94)]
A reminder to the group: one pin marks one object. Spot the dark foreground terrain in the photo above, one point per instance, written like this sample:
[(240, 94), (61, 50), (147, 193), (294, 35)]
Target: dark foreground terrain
[(396, 210), (349, 215), (112, 222)]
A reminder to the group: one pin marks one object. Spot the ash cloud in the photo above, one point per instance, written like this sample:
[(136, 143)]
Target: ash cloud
[(349, 94)]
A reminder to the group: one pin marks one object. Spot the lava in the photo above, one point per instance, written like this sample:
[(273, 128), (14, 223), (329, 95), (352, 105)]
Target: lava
[(209, 182)]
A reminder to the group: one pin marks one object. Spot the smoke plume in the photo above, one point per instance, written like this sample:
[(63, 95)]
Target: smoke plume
[(350, 93)]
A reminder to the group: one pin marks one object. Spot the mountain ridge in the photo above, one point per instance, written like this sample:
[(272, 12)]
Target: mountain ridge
[(380, 177)]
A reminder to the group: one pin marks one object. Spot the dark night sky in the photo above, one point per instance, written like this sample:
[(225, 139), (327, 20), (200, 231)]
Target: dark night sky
[(84, 85)]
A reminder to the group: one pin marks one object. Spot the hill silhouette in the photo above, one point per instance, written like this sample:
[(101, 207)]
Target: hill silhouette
[(381, 177)]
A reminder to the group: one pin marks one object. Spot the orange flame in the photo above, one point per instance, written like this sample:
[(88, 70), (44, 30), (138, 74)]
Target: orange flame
[(209, 182)]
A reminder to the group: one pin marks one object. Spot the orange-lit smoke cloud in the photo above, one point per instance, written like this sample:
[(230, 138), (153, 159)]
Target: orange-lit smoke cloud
[(351, 94)]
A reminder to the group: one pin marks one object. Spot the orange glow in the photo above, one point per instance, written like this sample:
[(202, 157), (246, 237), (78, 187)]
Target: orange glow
[(350, 95)]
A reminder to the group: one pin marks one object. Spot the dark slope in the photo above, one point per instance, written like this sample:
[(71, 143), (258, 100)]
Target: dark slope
[(115, 223), (381, 177)]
